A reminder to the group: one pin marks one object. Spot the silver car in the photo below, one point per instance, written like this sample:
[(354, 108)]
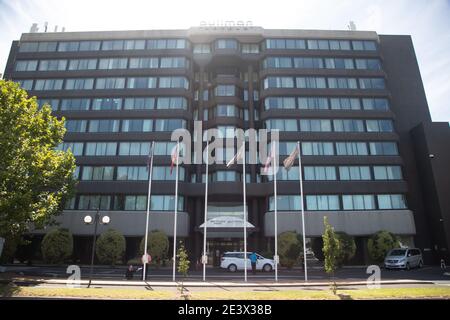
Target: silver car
[(403, 258)]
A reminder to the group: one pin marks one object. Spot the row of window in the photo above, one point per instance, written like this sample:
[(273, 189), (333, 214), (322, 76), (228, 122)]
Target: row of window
[(331, 125), (321, 63), (105, 83), (102, 64), (344, 148), (128, 125), (144, 103), (127, 173), (317, 103), (162, 148), (323, 83), (340, 202), (357, 45)]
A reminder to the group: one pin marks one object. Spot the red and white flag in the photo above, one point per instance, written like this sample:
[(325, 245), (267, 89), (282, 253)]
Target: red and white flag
[(237, 156), (269, 159), (174, 157), (289, 161)]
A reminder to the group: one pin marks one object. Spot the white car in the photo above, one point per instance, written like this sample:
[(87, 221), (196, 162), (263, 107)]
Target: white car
[(234, 261)]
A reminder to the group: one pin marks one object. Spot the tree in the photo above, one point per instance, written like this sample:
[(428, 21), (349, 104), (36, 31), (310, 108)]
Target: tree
[(110, 247), (289, 248), (331, 247), (348, 247), (380, 243), (35, 179), (157, 246), (183, 267), (57, 246)]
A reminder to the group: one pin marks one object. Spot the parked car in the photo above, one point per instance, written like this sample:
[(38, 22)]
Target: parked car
[(234, 261), (403, 258)]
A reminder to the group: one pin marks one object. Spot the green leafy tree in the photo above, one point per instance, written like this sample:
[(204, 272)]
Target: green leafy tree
[(35, 179), (57, 246), (289, 248), (183, 267), (331, 247), (380, 243), (157, 246), (110, 247), (348, 247)]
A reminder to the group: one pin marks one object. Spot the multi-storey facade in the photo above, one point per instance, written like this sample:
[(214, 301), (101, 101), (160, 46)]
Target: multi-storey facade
[(350, 97)]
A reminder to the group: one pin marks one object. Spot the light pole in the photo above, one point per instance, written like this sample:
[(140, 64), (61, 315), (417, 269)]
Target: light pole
[(89, 220)]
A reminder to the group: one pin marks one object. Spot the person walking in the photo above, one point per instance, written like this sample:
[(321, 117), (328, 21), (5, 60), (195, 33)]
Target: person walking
[(253, 260)]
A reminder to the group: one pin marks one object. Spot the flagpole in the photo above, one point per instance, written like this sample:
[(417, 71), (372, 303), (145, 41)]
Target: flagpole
[(176, 213), (276, 208), (303, 209), (144, 272), (245, 211), (204, 257)]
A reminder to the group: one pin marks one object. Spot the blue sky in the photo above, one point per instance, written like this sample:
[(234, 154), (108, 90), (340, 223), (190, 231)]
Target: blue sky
[(428, 22)]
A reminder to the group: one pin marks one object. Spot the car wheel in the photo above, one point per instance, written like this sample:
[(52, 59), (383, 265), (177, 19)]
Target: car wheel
[(407, 266), (232, 268), (420, 264), (267, 268)]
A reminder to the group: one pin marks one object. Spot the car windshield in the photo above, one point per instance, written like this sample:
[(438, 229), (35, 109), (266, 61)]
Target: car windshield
[(397, 252)]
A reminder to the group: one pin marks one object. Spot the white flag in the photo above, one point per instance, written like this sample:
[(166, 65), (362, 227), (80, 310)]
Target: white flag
[(237, 156)]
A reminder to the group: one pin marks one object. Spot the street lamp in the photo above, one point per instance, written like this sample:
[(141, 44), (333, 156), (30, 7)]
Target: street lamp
[(95, 220)]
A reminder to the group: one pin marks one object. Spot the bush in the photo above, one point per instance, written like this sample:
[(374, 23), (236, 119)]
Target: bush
[(157, 246), (380, 243), (9, 250), (110, 247), (348, 247), (289, 249), (316, 247), (57, 246)]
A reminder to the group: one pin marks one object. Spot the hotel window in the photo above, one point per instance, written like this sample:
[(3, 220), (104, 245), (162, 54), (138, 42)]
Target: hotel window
[(76, 125), (79, 84), (337, 63), (26, 84), (345, 103), (110, 83), (165, 203), (169, 124), (174, 62), (278, 62), (52, 65), (68, 46), (285, 44), (132, 173), (92, 202), (387, 172), (144, 63), (315, 125), (371, 83), (364, 45), (104, 125), (351, 149), (28, 47), (308, 63), (224, 90), (279, 103), (342, 83), (358, 202), (383, 148), (134, 44), (101, 148), (391, 201), (167, 44), (285, 203), (107, 104), (26, 65), (285, 148), (83, 64), (75, 147), (318, 45), (226, 44), (368, 64), (141, 82), (202, 48), (282, 124), (75, 104), (285, 175), (174, 82), (89, 45), (113, 63), (227, 110), (38, 47), (134, 148), (379, 125), (97, 173), (354, 173), (312, 103), (225, 176), (70, 204), (278, 82), (112, 45), (375, 104), (311, 82), (163, 174), (139, 103), (53, 103), (340, 45), (48, 84), (250, 48), (317, 149), (165, 148), (348, 125), (322, 202), (319, 173), (171, 103), (137, 125), (131, 203)]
